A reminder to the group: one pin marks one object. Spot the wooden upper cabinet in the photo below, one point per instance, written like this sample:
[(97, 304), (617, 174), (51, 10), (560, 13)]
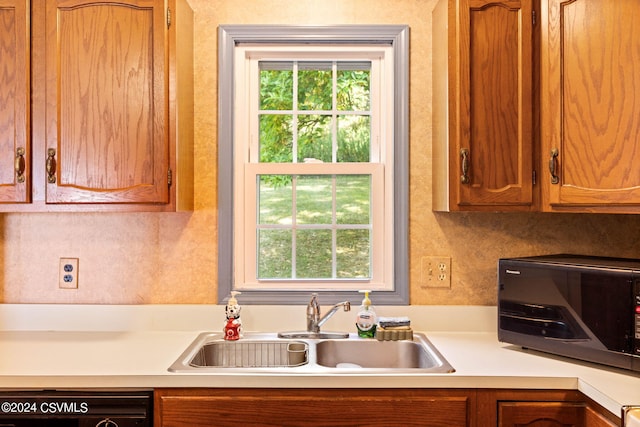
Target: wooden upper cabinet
[(590, 110), (107, 108), (15, 147), (482, 102), (111, 105)]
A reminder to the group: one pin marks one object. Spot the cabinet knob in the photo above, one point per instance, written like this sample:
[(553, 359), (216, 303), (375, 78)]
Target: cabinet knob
[(553, 166), (464, 162), (20, 165), (51, 165)]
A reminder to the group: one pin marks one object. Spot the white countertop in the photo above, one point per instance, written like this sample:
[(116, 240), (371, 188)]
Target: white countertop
[(40, 349)]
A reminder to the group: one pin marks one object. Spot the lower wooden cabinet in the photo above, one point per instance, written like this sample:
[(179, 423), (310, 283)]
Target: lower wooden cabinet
[(182, 407), (540, 408), (598, 417), (540, 414), (313, 407)]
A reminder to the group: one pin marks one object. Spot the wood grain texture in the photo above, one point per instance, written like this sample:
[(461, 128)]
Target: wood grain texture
[(540, 414), (591, 104), (181, 105), (106, 96), (308, 407), (599, 418), (112, 93), (494, 76), (181, 407), (490, 106), (14, 97), (498, 126), (540, 408), (107, 64)]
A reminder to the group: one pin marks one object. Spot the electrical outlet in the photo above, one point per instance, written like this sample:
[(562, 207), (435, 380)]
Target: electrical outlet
[(68, 274), (436, 271)]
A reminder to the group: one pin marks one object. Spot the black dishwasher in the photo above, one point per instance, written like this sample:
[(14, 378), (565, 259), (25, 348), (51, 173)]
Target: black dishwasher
[(76, 409)]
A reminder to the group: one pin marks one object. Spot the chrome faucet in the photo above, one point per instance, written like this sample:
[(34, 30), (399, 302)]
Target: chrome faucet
[(314, 321)]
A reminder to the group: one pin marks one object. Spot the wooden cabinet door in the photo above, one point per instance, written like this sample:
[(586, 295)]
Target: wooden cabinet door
[(106, 102), (312, 407), (15, 146), (540, 414), (595, 417), (590, 110), (496, 103), (488, 97)]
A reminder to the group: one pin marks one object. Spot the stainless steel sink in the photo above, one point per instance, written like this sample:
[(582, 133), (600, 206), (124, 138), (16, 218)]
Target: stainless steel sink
[(251, 354), (378, 354), (267, 353)]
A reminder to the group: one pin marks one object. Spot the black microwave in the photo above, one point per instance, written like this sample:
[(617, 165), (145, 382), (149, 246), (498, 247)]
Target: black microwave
[(582, 307)]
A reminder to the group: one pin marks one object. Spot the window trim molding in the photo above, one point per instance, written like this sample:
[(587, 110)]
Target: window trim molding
[(396, 35)]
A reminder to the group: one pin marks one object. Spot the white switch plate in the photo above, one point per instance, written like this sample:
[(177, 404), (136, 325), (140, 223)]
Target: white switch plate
[(68, 273)]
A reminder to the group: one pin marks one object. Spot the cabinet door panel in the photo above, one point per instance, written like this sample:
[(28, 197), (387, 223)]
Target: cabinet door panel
[(308, 407), (597, 418), (483, 117), (106, 102), (14, 101), (540, 414), (495, 120), (592, 102)]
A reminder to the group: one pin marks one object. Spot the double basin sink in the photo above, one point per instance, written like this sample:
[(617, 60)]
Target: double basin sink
[(268, 353)]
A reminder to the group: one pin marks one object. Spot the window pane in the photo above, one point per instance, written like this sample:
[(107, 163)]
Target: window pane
[(315, 86), (274, 254), (276, 138), (276, 85), (353, 87), (314, 199), (325, 201), (313, 254), (354, 135), (314, 138), (353, 199), (275, 199), (353, 254)]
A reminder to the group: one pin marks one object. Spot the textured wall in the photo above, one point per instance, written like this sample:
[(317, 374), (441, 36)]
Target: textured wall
[(171, 258)]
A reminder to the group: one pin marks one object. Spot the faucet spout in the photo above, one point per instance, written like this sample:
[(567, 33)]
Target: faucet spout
[(332, 311), (314, 320)]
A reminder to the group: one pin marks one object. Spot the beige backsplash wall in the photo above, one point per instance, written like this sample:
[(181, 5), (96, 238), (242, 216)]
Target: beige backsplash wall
[(171, 258)]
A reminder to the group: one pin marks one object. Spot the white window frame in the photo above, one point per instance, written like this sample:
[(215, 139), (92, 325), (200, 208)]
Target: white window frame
[(247, 167), (241, 48)]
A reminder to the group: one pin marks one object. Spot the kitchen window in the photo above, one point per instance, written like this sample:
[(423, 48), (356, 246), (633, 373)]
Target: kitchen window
[(313, 163)]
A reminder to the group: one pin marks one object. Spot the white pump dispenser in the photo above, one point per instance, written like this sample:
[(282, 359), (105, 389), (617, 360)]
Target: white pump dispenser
[(232, 298)]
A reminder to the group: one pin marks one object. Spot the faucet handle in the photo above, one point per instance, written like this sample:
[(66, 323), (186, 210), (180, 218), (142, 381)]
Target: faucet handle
[(313, 307)]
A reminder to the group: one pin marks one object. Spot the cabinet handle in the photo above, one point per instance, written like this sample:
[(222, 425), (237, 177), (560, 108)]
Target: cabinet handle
[(464, 157), (51, 165), (20, 165), (553, 166)]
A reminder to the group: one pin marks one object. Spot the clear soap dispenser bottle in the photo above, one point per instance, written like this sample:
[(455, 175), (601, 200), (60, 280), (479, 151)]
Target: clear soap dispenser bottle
[(366, 318), (233, 326)]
